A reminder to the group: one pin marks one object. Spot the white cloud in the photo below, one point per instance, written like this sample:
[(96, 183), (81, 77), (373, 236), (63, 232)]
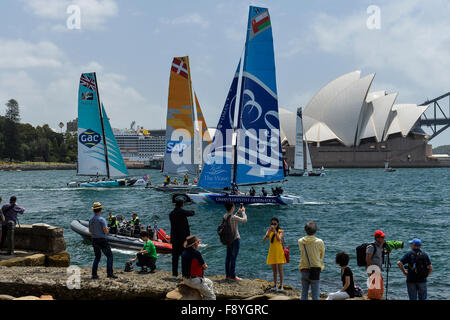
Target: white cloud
[(413, 41), (188, 19), (50, 96), (23, 54), (94, 13)]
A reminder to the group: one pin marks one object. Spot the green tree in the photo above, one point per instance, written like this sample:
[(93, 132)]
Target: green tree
[(10, 131)]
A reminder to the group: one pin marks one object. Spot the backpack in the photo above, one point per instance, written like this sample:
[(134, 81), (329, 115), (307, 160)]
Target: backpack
[(361, 253), (225, 232), (419, 266)]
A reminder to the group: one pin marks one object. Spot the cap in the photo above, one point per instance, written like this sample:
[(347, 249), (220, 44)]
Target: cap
[(379, 234), (416, 242)]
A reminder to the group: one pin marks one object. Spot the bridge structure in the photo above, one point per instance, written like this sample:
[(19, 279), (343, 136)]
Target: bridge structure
[(438, 118)]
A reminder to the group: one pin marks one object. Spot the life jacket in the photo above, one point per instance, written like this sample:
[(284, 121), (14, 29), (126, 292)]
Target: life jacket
[(112, 222), (135, 221)]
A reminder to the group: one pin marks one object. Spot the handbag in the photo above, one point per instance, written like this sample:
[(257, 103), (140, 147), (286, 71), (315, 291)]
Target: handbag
[(314, 272), (286, 251)]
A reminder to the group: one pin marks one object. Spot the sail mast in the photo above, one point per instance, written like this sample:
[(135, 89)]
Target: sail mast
[(103, 127), (239, 93)]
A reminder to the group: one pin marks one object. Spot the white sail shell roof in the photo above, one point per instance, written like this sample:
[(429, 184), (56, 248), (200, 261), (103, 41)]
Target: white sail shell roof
[(346, 111), (380, 109), (404, 118), (343, 115), (317, 107)]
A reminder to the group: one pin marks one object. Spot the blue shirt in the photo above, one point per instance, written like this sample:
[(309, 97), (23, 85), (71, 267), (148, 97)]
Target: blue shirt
[(96, 225), (408, 259)]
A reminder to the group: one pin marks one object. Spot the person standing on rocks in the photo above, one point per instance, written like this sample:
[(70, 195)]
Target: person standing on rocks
[(179, 231), (98, 229), (10, 212), (312, 252), (276, 257), (193, 267), (233, 248)]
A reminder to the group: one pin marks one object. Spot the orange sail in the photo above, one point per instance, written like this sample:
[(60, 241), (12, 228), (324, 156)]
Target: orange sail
[(179, 155)]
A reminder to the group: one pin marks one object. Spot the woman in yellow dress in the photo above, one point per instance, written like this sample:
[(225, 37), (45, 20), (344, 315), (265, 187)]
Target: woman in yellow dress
[(276, 256)]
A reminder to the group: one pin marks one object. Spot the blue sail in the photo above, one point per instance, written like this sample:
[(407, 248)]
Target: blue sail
[(117, 166), (216, 171), (259, 155)]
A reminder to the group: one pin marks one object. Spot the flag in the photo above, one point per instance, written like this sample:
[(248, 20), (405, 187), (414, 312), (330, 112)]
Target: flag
[(87, 82), (260, 22), (180, 67)]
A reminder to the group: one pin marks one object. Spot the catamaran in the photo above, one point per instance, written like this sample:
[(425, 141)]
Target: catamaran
[(299, 165), (249, 152), (101, 161), (186, 131)]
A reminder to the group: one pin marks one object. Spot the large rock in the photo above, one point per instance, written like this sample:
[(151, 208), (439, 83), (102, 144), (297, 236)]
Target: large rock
[(183, 292), (40, 237), (61, 259), (62, 284), (27, 261)]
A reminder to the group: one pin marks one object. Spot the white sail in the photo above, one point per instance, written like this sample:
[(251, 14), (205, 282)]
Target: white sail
[(298, 157), (309, 167)]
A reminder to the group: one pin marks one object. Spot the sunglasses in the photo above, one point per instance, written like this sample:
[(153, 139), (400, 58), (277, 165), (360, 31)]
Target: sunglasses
[(273, 224)]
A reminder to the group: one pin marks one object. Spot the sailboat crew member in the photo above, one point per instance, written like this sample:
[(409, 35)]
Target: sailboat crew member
[(135, 222), (186, 179), (167, 181), (112, 223)]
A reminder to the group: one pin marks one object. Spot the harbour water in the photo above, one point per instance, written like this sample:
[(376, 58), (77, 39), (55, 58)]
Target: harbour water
[(347, 204)]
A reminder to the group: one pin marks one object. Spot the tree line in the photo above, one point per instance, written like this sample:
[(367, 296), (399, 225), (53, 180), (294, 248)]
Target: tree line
[(23, 142)]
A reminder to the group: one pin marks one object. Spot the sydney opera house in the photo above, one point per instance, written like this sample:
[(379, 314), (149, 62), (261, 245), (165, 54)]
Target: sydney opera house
[(348, 125)]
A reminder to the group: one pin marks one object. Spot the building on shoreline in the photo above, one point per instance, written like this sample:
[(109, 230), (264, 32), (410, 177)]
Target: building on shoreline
[(348, 126)]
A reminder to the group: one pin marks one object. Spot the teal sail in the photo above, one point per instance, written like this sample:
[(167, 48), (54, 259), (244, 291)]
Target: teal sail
[(95, 158), (91, 147), (258, 152), (117, 166), (216, 171)]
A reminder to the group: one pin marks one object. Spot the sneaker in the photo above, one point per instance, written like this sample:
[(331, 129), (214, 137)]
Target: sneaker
[(94, 277), (143, 270), (236, 279), (152, 271), (112, 277), (280, 288), (273, 289)]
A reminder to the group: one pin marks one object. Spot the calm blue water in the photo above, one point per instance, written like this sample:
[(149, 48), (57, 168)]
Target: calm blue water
[(347, 204)]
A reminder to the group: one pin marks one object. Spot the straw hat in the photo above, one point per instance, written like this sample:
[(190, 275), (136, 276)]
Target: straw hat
[(191, 240), (97, 205)]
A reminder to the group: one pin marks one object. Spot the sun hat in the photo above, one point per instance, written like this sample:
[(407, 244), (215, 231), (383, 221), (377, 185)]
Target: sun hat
[(379, 234), (417, 242), (97, 205), (190, 241)]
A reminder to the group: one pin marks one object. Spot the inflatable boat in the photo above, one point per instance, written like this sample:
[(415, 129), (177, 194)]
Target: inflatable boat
[(124, 242)]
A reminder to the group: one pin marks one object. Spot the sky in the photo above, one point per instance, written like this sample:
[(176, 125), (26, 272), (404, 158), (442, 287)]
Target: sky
[(130, 45)]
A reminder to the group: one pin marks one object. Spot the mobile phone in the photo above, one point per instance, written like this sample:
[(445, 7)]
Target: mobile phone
[(242, 205)]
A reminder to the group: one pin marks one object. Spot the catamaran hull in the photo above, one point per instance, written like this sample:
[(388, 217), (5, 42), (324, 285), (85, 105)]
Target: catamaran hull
[(215, 198), (118, 241), (108, 183), (178, 188)]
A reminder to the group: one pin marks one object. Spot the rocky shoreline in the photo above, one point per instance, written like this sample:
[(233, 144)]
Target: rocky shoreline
[(37, 166), (64, 284)]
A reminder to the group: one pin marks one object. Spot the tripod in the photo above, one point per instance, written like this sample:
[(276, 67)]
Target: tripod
[(387, 265)]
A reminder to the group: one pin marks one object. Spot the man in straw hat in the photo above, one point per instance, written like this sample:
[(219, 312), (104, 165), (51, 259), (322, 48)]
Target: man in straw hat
[(98, 229), (193, 265)]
